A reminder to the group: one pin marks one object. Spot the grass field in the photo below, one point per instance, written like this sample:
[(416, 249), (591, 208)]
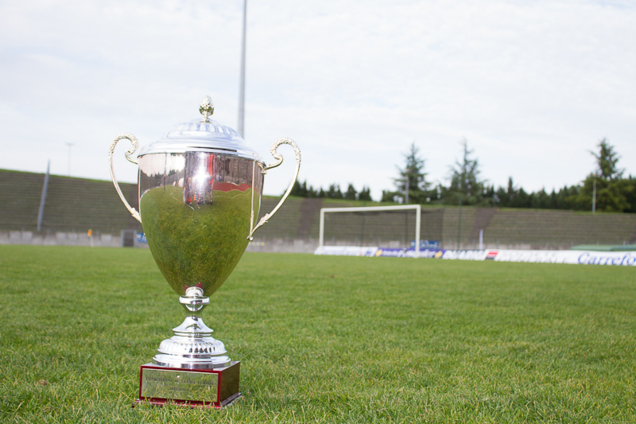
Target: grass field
[(324, 339)]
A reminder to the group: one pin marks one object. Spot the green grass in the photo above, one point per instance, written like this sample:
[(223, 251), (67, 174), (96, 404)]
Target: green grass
[(324, 339)]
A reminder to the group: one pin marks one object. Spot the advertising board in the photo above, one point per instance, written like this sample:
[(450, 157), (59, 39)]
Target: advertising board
[(537, 256)]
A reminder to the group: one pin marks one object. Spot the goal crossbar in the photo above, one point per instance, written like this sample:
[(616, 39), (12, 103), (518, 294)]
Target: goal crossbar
[(418, 218)]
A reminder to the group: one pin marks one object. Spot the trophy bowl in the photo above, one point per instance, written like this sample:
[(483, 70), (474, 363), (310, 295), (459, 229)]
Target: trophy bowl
[(200, 189)]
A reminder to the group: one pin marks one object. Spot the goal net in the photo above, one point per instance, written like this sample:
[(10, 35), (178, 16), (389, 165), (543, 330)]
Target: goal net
[(378, 226)]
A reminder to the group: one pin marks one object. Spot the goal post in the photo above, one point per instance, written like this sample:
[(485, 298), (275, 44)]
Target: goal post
[(418, 218)]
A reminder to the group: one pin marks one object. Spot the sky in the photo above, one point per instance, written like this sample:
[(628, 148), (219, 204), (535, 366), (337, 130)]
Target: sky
[(532, 86)]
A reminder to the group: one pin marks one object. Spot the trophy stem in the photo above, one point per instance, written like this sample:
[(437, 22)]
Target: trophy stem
[(192, 346)]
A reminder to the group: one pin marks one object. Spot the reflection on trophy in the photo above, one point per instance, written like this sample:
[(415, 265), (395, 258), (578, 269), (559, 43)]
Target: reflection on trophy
[(200, 190)]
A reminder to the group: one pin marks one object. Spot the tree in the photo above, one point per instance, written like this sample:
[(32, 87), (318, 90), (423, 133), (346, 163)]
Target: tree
[(411, 184), (504, 196), (612, 191), (299, 189), (391, 196), (611, 195), (334, 192), (302, 189), (365, 194), (606, 160), (465, 183), (631, 193), (351, 193), (540, 199)]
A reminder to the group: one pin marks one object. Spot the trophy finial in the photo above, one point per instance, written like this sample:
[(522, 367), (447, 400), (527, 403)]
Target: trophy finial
[(206, 108)]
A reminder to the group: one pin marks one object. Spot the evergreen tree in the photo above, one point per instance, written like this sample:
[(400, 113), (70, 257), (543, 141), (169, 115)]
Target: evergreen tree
[(299, 189), (553, 200), (365, 194), (612, 191), (391, 196), (351, 193), (566, 197), (516, 197), (540, 200), (465, 183), (302, 189), (311, 192), (630, 194), (334, 192), (611, 195), (606, 161), (490, 194), (503, 196), (411, 184)]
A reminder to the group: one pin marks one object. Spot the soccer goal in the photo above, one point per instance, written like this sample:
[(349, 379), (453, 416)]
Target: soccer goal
[(381, 226)]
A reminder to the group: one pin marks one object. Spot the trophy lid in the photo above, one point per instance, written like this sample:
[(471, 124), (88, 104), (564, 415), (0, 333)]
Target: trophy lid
[(202, 135)]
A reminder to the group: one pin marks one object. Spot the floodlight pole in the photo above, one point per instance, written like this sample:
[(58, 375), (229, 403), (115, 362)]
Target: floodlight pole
[(459, 223), (594, 195), (406, 196), (241, 115), (69, 157), (45, 188)]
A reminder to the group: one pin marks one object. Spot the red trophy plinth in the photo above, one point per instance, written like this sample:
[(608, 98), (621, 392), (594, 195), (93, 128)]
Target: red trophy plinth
[(208, 388)]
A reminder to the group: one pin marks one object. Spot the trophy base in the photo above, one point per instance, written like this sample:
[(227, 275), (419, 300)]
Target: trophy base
[(207, 388)]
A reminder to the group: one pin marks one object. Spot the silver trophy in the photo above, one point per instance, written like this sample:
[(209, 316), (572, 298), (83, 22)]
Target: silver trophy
[(200, 190)]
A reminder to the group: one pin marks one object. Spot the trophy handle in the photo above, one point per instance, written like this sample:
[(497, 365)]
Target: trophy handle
[(279, 160), (129, 152)]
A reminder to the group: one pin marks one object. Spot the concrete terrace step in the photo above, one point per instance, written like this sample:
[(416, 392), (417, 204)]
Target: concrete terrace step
[(559, 226), (71, 204), (20, 199)]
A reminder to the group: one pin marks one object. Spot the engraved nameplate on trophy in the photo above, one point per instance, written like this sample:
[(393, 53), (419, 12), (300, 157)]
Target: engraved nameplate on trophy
[(215, 388)]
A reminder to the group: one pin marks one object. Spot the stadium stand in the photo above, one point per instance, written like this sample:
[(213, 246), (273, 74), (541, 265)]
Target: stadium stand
[(452, 226), (75, 205), (309, 210), (285, 224), (20, 199), (482, 220), (72, 204), (543, 229)]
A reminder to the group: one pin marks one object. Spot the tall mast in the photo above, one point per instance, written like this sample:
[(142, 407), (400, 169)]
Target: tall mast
[(241, 114)]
